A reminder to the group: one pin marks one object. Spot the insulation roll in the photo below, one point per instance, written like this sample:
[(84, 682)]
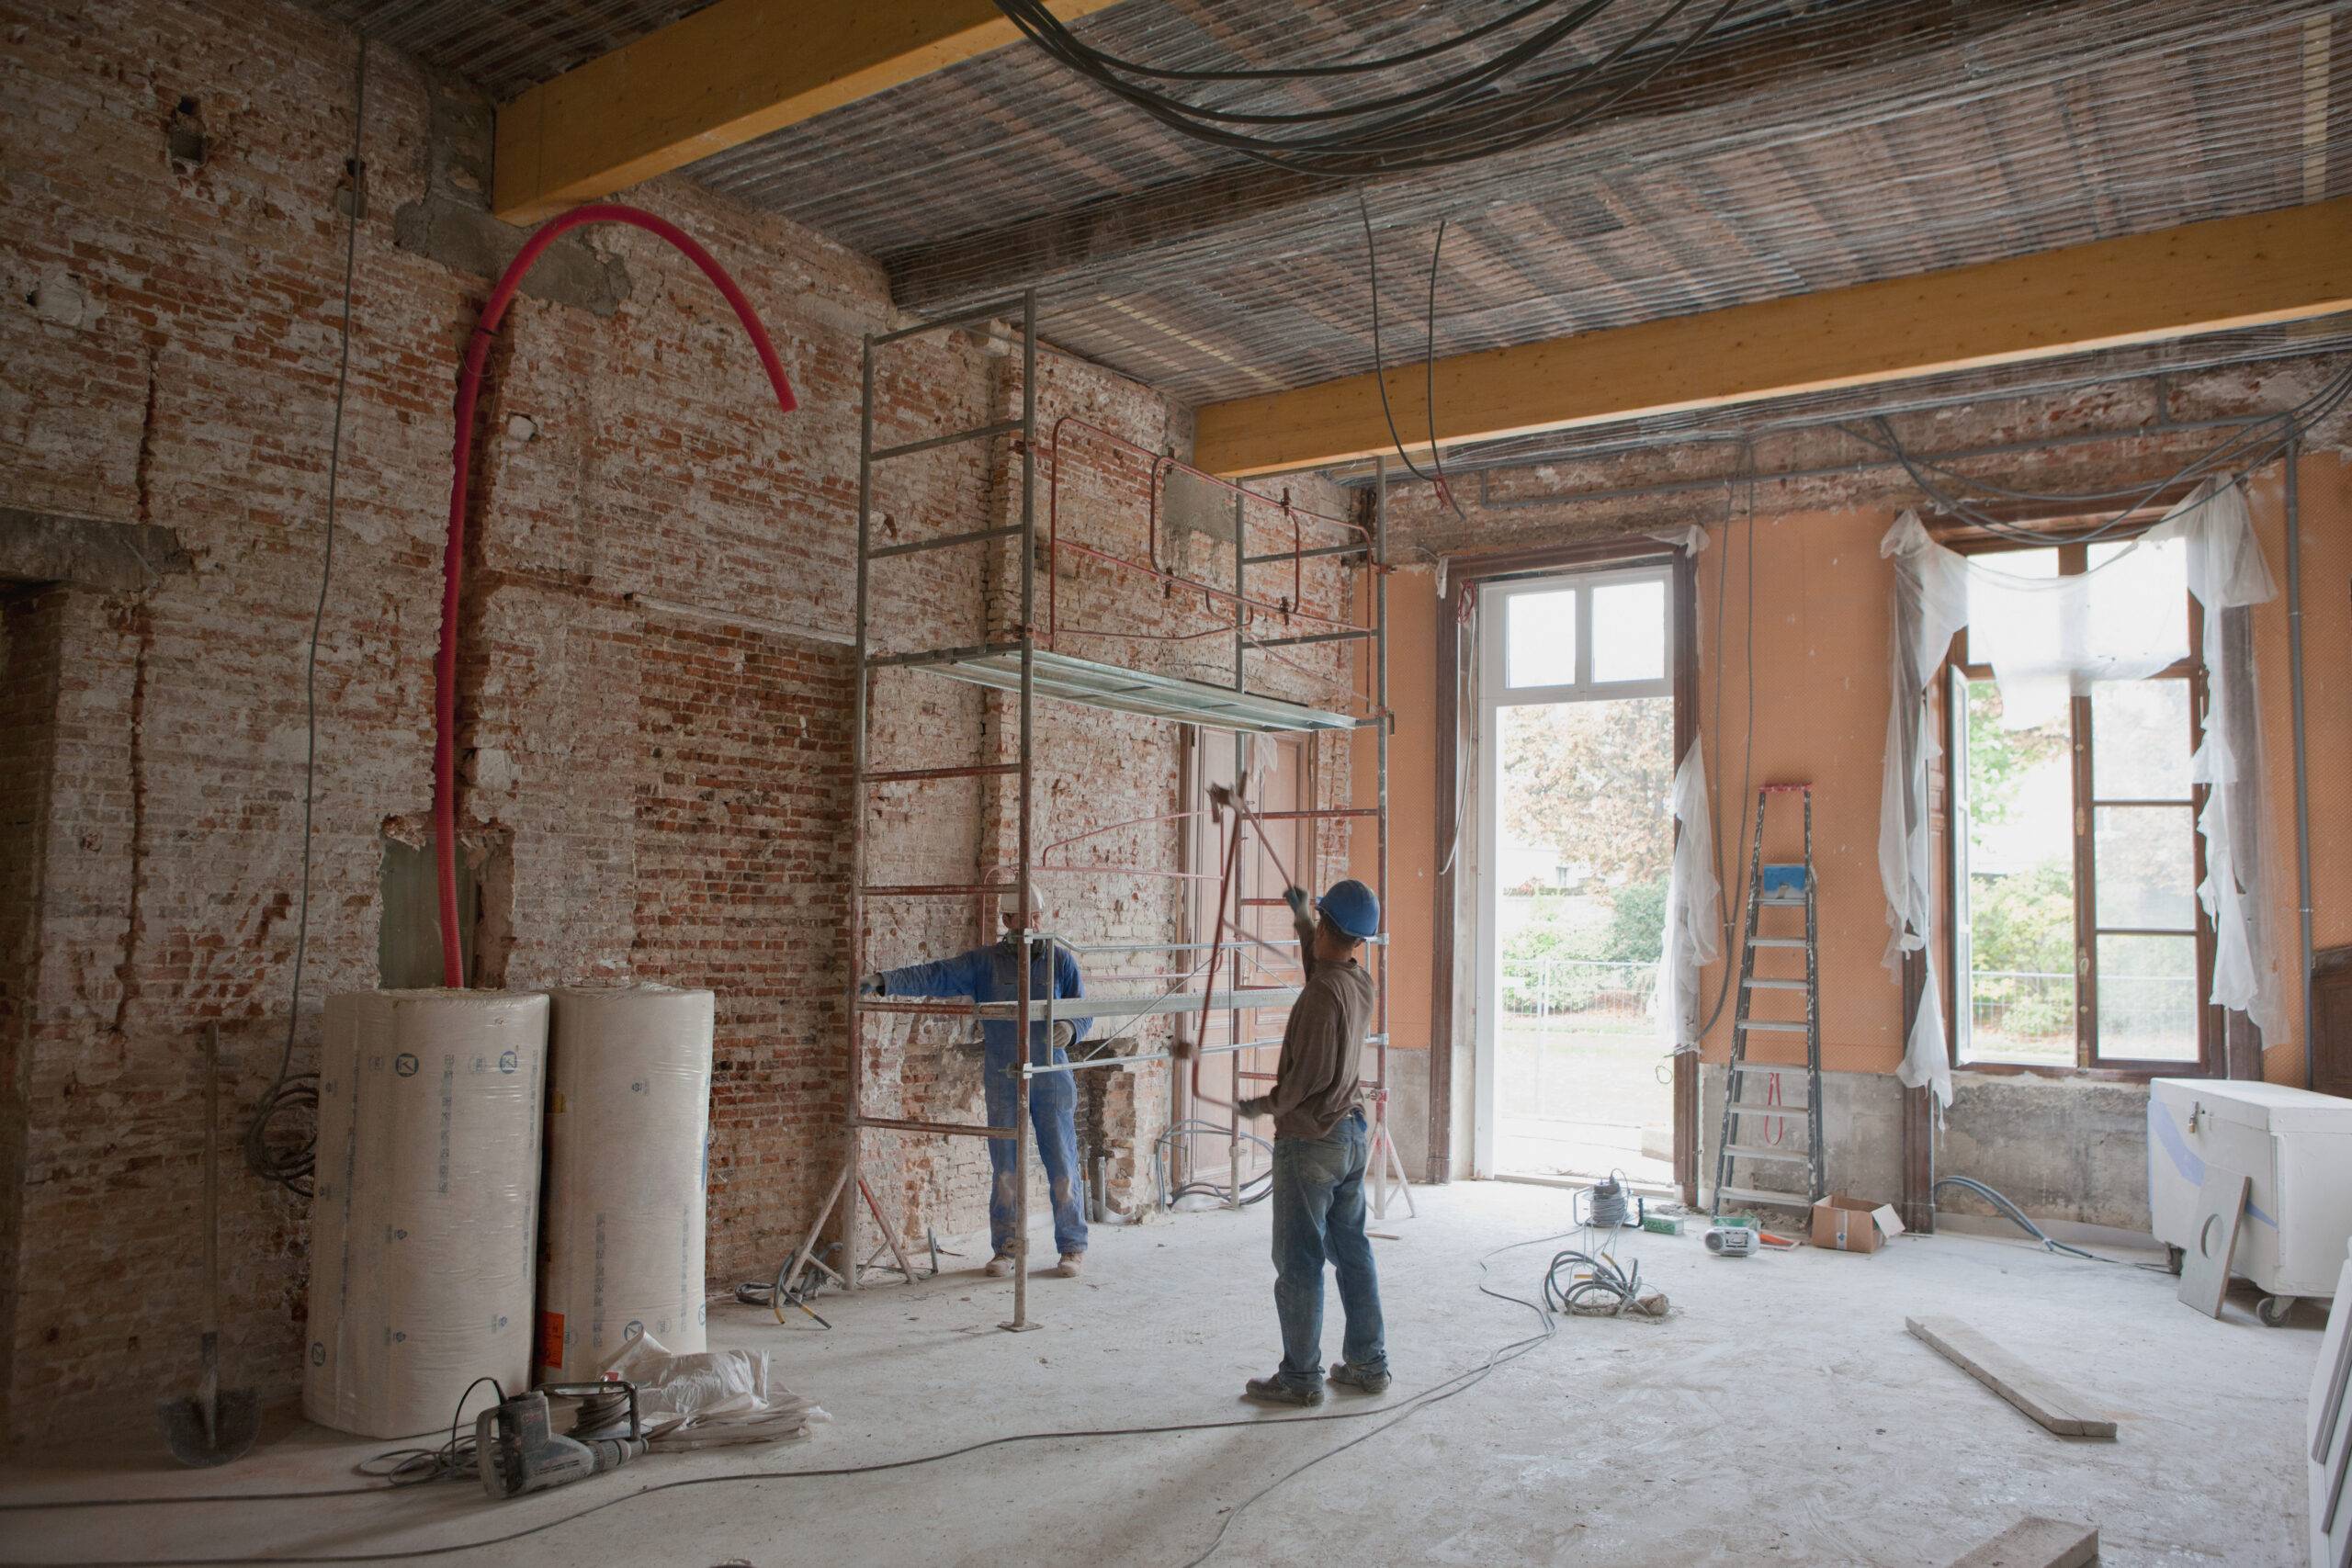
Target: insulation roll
[(423, 1233), (629, 1124)]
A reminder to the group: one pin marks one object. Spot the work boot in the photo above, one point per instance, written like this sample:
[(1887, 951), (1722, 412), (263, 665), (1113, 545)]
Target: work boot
[(1358, 1379), (1000, 1267), (1274, 1390), (1070, 1264)]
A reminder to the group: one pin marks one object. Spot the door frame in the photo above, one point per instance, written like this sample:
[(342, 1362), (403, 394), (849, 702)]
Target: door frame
[(1465, 581)]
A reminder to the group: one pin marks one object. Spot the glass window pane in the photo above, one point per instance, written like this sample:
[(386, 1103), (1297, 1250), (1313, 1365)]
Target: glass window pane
[(2019, 899), (2140, 740), (2146, 863), (1629, 631), (1539, 640), (2147, 999)]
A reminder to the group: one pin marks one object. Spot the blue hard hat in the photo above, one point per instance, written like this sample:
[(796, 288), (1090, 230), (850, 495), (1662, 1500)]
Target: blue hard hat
[(1353, 907)]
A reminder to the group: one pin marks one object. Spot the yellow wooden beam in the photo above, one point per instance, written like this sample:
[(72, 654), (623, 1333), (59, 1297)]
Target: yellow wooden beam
[(719, 77), (2199, 278)]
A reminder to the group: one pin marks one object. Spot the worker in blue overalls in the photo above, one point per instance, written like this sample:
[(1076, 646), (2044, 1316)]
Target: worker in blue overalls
[(993, 974)]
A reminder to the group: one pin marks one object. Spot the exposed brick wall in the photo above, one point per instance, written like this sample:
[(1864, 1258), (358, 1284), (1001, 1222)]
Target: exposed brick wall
[(659, 754)]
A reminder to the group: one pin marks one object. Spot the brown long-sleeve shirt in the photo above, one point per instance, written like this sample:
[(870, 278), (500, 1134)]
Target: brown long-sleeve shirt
[(1318, 1080)]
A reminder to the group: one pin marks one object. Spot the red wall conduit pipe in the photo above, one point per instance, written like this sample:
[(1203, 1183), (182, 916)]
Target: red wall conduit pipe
[(445, 666)]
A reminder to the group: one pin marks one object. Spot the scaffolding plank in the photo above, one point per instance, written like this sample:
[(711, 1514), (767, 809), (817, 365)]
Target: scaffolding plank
[(1069, 679)]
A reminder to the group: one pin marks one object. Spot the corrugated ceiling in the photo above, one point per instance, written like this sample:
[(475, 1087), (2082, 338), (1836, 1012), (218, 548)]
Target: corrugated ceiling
[(505, 46), (1808, 145)]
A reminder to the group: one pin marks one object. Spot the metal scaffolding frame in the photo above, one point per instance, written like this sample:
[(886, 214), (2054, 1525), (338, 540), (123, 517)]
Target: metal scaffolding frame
[(1022, 666)]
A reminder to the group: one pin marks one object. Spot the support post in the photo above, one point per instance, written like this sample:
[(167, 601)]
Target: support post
[(2303, 765), (861, 677), (1027, 942)]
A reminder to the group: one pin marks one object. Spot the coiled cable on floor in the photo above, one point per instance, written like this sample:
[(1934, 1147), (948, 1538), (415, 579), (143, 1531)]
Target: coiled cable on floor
[(1603, 1288), (1254, 1190)]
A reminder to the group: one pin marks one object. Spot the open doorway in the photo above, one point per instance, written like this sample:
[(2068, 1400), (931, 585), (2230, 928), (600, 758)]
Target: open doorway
[(1576, 768)]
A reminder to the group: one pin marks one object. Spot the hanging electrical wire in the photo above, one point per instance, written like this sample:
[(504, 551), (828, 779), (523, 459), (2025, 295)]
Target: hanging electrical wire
[(2262, 440), (1451, 118), (289, 1166)]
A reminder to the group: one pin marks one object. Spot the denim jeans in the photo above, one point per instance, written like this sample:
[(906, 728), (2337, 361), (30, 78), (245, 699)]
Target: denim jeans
[(1319, 1214), (1053, 1111)]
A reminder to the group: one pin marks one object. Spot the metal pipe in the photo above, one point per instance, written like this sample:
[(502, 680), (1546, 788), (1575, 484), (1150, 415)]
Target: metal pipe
[(1028, 775), (862, 677), (944, 542), (1379, 573), (987, 311), (1832, 470), (906, 775), (977, 433), (2302, 769), (946, 1129), (453, 555)]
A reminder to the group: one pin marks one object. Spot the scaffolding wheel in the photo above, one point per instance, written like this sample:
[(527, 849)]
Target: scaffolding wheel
[(2175, 1260), (2275, 1310)]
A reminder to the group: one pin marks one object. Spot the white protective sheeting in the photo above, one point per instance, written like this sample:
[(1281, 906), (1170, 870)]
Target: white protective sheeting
[(2228, 575), (422, 1240), (1930, 605), (628, 1123), (1694, 908), (2050, 638)]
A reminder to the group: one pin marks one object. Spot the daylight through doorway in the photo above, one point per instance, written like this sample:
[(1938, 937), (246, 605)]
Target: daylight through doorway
[(1579, 841)]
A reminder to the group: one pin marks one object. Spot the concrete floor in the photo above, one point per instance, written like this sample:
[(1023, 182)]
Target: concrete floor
[(1780, 1415)]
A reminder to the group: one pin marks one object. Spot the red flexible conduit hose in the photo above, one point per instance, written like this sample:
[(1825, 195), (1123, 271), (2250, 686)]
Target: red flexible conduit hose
[(445, 665)]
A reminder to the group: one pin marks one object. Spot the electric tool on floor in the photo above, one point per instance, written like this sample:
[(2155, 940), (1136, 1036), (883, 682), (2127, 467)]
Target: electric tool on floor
[(518, 1453)]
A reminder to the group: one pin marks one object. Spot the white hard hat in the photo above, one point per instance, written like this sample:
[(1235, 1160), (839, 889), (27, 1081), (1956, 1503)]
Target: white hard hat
[(1009, 902)]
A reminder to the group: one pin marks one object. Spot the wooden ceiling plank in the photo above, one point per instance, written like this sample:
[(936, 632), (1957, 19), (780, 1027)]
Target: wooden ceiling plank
[(719, 77), (2290, 265)]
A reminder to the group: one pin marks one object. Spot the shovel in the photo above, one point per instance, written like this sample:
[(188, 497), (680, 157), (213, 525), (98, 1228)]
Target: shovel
[(216, 1424)]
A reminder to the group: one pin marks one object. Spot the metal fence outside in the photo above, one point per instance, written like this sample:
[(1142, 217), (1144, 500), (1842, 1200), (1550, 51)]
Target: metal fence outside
[(2024, 1006), (1590, 995)]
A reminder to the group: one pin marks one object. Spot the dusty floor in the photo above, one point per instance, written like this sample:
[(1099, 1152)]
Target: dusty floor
[(1780, 1415)]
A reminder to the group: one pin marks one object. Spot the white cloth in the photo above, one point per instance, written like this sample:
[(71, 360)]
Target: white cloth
[(1693, 910), (1930, 605), (2226, 572), (2052, 638)]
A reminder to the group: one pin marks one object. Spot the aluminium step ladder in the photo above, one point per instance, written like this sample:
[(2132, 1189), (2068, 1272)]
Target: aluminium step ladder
[(1757, 1131)]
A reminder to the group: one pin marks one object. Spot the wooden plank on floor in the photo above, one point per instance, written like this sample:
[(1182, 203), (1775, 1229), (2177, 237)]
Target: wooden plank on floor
[(2051, 1403), (2036, 1543)]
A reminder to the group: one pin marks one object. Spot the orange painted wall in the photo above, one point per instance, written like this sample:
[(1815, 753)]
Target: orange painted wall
[(2324, 502), (1820, 666), (1820, 672), (1414, 851)]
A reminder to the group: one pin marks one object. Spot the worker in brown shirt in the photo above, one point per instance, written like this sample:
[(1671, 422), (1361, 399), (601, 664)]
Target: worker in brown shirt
[(1321, 1140)]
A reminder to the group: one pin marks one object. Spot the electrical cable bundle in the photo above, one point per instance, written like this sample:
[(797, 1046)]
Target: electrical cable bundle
[(1427, 120), (1254, 1190), (2263, 439), (1598, 1286)]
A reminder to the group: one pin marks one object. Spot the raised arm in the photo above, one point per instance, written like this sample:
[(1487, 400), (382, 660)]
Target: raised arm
[(1301, 921), (958, 976)]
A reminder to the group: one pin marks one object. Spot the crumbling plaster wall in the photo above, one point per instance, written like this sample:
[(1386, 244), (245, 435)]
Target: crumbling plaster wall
[(654, 693), (2066, 1147)]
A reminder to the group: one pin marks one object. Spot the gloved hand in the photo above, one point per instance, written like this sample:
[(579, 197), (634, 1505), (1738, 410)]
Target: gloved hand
[(1297, 898), (1256, 1105), (1064, 1034), (871, 985)]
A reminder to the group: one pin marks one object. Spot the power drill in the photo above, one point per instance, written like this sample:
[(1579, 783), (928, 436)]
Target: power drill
[(517, 1452)]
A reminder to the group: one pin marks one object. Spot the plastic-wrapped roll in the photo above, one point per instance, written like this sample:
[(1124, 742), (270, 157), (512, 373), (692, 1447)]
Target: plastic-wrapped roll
[(424, 1230), (629, 1124)]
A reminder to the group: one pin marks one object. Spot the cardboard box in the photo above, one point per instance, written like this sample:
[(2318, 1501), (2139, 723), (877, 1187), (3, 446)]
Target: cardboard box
[(1846, 1224)]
